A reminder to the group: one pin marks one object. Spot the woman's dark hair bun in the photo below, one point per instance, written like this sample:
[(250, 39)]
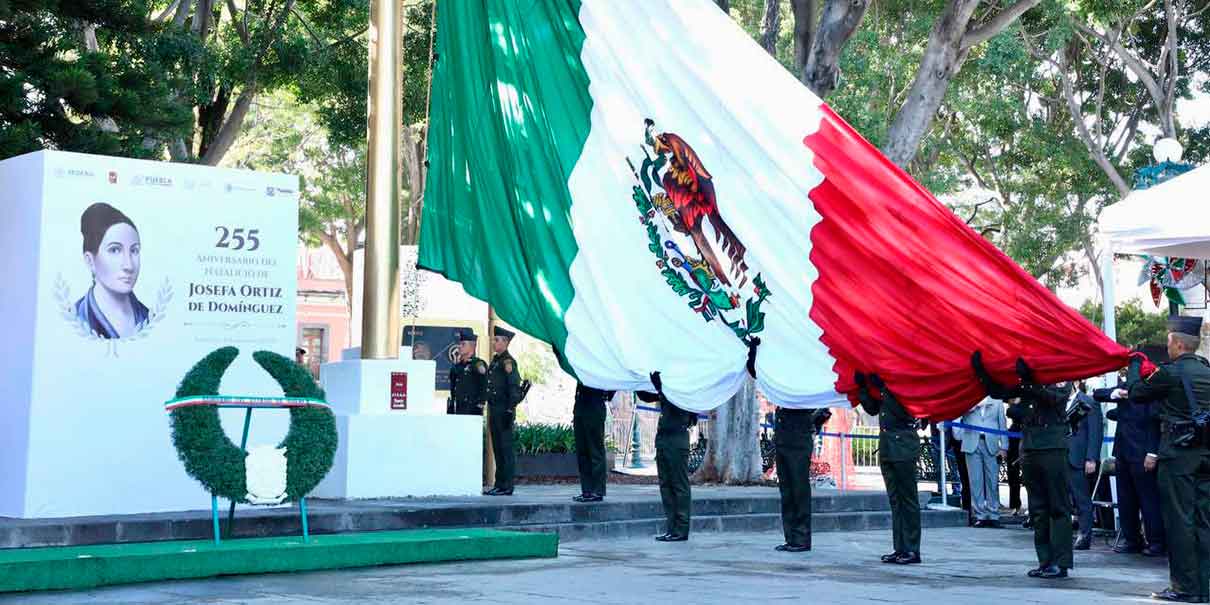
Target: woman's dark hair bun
[(96, 220)]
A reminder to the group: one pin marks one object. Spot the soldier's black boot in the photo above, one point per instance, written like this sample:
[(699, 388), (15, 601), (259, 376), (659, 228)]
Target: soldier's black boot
[(1168, 594), (1083, 542), (670, 537), (793, 548), (1053, 572)]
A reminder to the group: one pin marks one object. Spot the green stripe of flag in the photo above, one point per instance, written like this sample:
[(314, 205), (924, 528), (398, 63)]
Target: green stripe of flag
[(501, 155)]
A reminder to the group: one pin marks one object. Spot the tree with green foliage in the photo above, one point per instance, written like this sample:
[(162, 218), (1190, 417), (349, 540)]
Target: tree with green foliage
[(1135, 325), (285, 135), (1120, 69), (338, 89), (935, 37), (141, 77), (92, 76), (1031, 187), (255, 47)]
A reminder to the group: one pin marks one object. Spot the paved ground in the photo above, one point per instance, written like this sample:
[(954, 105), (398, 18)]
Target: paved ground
[(962, 566)]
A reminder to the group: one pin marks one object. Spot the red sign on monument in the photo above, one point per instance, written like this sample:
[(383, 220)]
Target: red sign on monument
[(399, 390)]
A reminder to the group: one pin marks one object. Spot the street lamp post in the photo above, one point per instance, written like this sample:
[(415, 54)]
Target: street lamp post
[(1167, 153)]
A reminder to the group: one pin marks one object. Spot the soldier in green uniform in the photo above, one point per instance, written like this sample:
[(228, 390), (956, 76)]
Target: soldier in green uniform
[(898, 449), (794, 442), (1042, 415), (1182, 390), (672, 462), (503, 395), (588, 422), (468, 379)]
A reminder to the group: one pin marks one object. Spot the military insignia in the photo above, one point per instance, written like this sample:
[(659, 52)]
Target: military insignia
[(481, 367), (676, 202), (508, 366)]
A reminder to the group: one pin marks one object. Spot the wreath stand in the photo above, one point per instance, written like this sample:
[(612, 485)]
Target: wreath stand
[(247, 404)]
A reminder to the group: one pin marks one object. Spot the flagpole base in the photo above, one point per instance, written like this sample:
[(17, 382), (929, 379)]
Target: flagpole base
[(396, 440)]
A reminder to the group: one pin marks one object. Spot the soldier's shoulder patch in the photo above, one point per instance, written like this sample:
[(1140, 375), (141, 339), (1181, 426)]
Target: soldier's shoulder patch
[(481, 367), (508, 366)]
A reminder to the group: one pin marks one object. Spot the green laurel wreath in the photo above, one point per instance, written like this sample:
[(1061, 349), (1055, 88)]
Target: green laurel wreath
[(211, 458)]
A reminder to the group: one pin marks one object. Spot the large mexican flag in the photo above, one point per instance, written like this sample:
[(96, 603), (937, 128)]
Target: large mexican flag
[(637, 183)]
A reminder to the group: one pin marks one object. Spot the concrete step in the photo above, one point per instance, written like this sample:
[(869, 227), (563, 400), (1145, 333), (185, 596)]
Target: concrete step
[(627, 506), (820, 522)]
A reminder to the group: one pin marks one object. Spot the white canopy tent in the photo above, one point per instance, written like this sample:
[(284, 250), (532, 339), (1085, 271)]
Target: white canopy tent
[(1169, 219)]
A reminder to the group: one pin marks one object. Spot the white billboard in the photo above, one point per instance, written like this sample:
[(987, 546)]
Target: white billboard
[(120, 275)]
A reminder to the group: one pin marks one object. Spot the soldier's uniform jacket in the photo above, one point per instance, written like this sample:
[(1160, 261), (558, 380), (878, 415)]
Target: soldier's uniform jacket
[(673, 428), (468, 382), (1041, 414), (790, 425), (897, 438), (672, 431), (503, 383), (1165, 384)]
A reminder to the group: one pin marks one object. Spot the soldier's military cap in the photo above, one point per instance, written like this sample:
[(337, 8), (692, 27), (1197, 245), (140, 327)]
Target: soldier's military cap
[(1185, 325)]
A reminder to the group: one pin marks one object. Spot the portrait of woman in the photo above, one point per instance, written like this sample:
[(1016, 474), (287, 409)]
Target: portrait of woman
[(111, 253)]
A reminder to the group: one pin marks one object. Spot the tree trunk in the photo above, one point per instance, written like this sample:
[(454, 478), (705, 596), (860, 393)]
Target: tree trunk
[(210, 118), (770, 27), (836, 26), (415, 173), (230, 130), (942, 59), (182, 13), (1095, 149), (344, 259), (733, 449), (949, 43), (805, 12), (201, 18), (1091, 254)]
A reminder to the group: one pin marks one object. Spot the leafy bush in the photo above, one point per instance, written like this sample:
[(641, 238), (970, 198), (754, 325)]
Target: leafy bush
[(1136, 324), (545, 439), (537, 362)]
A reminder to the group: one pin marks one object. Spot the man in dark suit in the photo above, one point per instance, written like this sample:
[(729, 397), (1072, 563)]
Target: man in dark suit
[(1083, 455), (1136, 435)]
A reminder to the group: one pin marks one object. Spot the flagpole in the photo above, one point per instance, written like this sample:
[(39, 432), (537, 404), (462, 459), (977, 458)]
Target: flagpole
[(489, 457), (380, 304)]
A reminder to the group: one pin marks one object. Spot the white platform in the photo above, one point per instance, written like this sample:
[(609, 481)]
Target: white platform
[(387, 453), (404, 455), (363, 386)]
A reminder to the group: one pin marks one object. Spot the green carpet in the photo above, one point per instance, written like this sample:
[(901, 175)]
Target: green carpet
[(75, 567)]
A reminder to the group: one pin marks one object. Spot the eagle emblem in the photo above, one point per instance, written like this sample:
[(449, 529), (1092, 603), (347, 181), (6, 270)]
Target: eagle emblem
[(697, 252)]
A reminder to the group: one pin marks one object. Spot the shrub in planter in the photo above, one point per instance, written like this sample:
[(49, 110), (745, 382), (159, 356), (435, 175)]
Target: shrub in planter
[(548, 450), (545, 439)]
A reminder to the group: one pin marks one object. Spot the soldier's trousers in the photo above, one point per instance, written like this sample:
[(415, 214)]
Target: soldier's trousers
[(794, 481), (501, 424), (1049, 492), (1184, 482), (672, 463), (901, 489), (588, 422)]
